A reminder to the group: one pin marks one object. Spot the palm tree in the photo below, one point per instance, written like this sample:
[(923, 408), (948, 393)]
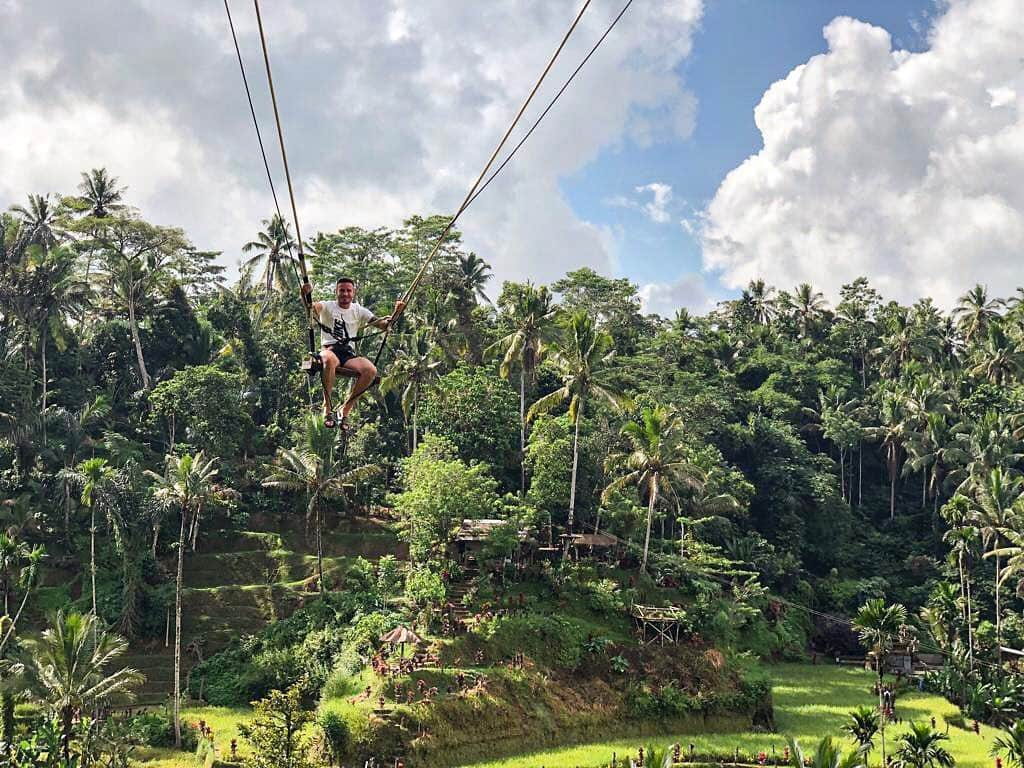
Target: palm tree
[(995, 513), (136, 265), (935, 447), (863, 726), (920, 747), (807, 306), (530, 312), (583, 360), (962, 539), (657, 462), (40, 221), (758, 297), (1000, 360), (186, 485), (472, 276), (93, 475), (943, 614), (975, 312), (272, 248), (1010, 745), (99, 193), (654, 757), (30, 563), (892, 433), (827, 755), (67, 669), (317, 469), (417, 362), (76, 437), (879, 626)]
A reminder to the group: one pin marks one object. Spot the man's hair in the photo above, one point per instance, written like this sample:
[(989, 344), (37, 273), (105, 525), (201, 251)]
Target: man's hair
[(346, 280)]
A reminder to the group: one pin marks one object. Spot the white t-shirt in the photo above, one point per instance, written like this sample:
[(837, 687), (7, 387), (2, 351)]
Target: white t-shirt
[(346, 323)]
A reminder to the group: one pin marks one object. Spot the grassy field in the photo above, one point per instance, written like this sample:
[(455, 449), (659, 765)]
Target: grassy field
[(810, 702)]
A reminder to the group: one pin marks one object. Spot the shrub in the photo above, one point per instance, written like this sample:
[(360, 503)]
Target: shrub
[(337, 736), (156, 729)]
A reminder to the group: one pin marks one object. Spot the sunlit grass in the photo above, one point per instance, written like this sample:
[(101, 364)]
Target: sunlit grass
[(810, 702)]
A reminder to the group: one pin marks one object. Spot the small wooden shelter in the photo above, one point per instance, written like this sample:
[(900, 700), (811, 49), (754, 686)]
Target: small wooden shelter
[(472, 535), (656, 624)]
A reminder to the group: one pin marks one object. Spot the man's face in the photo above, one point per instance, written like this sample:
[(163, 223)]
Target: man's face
[(344, 292)]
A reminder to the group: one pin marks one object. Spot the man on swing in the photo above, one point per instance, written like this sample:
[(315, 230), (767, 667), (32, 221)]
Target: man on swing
[(341, 322)]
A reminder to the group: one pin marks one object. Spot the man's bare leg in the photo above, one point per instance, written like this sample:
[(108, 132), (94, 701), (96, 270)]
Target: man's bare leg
[(328, 377), (366, 371)]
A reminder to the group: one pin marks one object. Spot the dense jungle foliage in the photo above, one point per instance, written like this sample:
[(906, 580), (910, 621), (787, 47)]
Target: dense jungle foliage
[(779, 467)]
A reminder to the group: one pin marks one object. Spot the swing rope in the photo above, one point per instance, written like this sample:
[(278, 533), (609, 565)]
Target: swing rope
[(469, 195)]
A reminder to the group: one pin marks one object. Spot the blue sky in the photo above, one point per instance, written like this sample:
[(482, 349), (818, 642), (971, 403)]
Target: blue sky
[(741, 48)]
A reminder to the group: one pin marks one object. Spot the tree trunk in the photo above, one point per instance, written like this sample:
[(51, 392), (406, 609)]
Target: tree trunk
[(575, 466), (92, 554), (179, 584), (842, 472), (970, 620), (42, 346), (860, 473), (647, 536), (924, 488), (14, 621), (522, 429), (156, 536), (892, 493), (320, 552), (415, 419), (999, 613), (134, 325)]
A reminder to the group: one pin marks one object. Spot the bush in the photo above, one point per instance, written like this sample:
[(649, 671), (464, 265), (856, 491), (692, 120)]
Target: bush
[(156, 729), (337, 736)]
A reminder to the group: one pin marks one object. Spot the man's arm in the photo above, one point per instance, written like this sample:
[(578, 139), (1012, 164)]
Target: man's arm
[(307, 293), (384, 322)]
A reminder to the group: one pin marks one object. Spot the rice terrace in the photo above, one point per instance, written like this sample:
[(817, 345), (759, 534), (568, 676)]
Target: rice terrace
[(548, 384)]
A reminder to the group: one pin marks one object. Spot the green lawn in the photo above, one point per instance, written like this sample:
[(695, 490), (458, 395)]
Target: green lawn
[(224, 722), (810, 702)]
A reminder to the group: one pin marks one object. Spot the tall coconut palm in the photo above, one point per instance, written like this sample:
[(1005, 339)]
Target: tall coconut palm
[(136, 259), (892, 434), (758, 300), (936, 451), (93, 475), (75, 426), (317, 468), (530, 313), (962, 539), (271, 251), (878, 626), (417, 362), (656, 464), (99, 194), (807, 306), (67, 669), (974, 313), (921, 747), (186, 485), (996, 513), (583, 359), (40, 220), (999, 359)]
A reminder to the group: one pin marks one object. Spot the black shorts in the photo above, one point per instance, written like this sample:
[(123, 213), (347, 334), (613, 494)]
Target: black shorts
[(343, 352)]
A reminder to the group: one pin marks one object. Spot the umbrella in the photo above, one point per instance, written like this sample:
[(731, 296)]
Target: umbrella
[(401, 635)]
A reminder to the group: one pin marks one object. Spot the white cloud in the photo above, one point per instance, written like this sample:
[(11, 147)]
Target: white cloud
[(655, 208), (385, 110), (661, 197), (690, 291), (904, 167)]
